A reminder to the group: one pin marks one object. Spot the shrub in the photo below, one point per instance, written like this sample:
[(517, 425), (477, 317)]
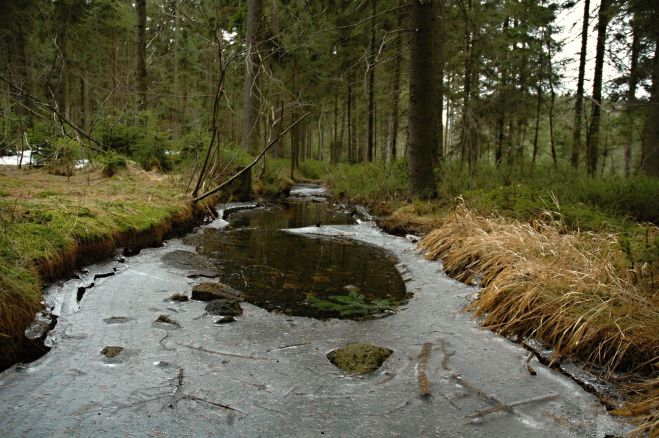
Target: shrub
[(111, 163), (63, 156)]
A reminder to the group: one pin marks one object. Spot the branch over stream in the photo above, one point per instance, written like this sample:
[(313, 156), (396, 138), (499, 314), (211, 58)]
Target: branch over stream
[(256, 160)]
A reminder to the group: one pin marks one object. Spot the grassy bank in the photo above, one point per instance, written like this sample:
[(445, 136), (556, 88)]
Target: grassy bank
[(52, 224), (565, 259)]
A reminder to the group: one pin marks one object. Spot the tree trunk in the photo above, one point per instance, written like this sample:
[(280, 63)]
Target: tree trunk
[(650, 147), (371, 88), (631, 97), (422, 101), (115, 51), (84, 103), (252, 89), (438, 40), (141, 55), (351, 137), (466, 140), (62, 96), (395, 84), (537, 120), (334, 148), (578, 105), (552, 100), (592, 142)]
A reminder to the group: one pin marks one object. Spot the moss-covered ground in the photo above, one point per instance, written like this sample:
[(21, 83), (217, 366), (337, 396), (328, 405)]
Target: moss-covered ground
[(46, 221)]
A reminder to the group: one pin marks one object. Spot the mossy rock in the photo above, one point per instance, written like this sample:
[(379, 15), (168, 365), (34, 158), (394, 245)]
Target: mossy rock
[(359, 358)]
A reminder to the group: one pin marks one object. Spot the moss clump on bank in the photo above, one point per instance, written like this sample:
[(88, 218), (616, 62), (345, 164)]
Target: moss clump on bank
[(51, 225), (359, 358)]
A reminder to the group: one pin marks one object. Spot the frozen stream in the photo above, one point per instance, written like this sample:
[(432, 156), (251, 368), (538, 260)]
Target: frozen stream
[(267, 375)]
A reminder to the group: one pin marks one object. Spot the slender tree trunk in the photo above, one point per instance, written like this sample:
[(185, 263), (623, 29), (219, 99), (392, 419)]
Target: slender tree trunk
[(438, 40), (278, 125), (449, 120), (592, 142), (466, 141), (252, 89), (552, 100), (62, 96), (371, 88), (115, 51), (334, 149), (21, 73), (140, 6), (84, 103), (578, 105), (422, 101), (351, 134), (537, 120), (176, 107), (631, 97), (650, 146), (395, 84)]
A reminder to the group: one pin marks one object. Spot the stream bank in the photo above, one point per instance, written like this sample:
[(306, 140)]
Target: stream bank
[(54, 225), (267, 373)]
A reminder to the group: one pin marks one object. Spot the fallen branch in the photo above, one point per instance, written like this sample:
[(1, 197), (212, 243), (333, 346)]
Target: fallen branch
[(220, 353), (422, 376), (509, 406), (199, 399), (256, 160), (480, 393), (176, 395), (527, 363)]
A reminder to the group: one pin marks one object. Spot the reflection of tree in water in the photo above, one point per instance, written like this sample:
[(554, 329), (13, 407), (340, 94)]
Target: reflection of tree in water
[(278, 270)]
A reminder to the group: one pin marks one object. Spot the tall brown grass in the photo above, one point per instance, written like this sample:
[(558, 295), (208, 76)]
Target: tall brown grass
[(572, 291)]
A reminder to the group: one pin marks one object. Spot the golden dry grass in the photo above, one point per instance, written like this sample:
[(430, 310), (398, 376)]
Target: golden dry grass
[(643, 405), (572, 291)]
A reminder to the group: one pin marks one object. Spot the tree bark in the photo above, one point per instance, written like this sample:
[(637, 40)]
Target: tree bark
[(467, 140), (552, 100), (252, 89), (140, 6), (352, 156), (395, 84), (592, 142), (438, 40), (631, 97), (578, 105), (650, 147), (62, 96), (422, 101), (371, 88)]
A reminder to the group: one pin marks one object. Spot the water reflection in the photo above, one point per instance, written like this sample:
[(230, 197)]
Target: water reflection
[(301, 275)]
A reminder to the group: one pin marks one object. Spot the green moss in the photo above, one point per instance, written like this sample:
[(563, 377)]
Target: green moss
[(350, 306), (359, 358), (43, 224)]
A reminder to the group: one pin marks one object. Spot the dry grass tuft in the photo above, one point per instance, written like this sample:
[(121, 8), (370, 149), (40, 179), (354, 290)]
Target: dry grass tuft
[(643, 404), (572, 291)]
